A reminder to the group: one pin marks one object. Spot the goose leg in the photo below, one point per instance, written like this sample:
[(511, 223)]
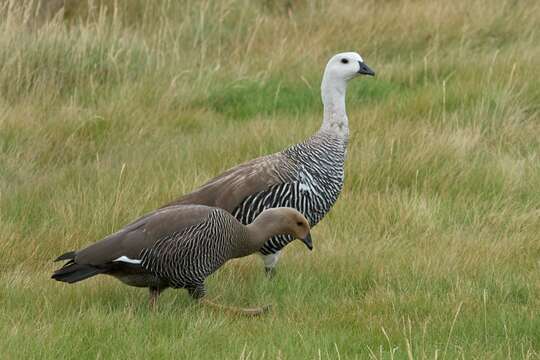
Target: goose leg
[(270, 262), (270, 272), (198, 293), (154, 293)]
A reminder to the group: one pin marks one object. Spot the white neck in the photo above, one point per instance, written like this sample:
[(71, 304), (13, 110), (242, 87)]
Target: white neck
[(333, 97)]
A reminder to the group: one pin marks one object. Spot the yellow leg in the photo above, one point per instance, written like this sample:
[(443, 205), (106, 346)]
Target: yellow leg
[(154, 293), (256, 311)]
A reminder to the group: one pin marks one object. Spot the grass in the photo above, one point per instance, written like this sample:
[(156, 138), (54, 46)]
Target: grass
[(432, 250)]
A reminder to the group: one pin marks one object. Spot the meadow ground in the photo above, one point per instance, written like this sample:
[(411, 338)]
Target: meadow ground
[(432, 251)]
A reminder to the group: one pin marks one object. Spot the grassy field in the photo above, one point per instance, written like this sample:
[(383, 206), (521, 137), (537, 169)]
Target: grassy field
[(432, 251)]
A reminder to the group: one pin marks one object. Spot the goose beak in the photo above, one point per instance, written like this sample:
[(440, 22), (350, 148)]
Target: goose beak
[(365, 70), (307, 241)]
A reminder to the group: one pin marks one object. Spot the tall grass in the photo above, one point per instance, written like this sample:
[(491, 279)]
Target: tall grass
[(112, 108)]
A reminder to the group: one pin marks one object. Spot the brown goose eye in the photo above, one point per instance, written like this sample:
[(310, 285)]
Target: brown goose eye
[(344, 61), (299, 223)]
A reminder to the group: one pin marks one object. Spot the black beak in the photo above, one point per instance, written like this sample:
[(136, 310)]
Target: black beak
[(365, 70), (308, 242)]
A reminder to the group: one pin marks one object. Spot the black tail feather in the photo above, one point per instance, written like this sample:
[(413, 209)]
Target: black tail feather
[(67, 256), (74, 272)]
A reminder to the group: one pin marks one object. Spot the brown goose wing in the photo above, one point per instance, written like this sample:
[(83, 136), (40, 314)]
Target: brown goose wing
[(229, 189), (141, 234)]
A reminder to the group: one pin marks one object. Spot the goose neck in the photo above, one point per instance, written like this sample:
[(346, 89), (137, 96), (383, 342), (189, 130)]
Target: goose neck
[(260, 230), (333, 91)]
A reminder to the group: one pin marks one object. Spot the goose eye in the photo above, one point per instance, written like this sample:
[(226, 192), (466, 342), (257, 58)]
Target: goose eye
[(299, 223), (344, 61)]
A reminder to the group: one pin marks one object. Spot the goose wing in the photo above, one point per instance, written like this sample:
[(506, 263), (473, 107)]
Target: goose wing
[(229, 189), (128, 243)]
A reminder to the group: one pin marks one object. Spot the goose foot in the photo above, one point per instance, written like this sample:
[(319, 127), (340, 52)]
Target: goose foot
[(255, 311)]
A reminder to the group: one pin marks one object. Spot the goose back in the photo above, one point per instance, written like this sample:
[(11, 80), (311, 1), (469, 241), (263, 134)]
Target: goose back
[(312, 188), (307, 176), (185, 258)]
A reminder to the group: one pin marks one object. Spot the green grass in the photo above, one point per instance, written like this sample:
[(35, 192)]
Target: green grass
[(432, 250)]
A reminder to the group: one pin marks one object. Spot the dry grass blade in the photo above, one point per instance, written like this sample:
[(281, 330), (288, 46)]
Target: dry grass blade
[(110, 109)]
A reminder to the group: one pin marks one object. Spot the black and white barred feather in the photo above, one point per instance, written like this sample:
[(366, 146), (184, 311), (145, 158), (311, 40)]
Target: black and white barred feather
[(311, 185), (187, 257)]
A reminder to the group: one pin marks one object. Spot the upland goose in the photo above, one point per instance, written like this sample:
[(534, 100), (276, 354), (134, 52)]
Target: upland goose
[(180, 246), (307, 176)]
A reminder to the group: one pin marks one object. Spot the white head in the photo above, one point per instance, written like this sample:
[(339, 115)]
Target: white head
[(346, 66), (340, 69)]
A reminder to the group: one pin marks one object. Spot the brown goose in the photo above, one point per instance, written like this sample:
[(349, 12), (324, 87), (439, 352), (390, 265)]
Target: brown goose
[(307, 176), (179, 247)]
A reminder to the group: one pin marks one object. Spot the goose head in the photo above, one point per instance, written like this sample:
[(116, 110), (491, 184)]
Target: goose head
[(347, 66)]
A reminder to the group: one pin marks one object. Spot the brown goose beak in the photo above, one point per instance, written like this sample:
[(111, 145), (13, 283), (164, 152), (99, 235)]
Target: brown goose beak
[(307, 241)]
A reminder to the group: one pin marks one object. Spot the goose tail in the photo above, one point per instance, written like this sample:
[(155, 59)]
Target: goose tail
[(72, 272), (70, 255)]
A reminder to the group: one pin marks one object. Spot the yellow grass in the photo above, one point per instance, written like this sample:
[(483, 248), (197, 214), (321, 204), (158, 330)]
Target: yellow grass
[(432, 251)]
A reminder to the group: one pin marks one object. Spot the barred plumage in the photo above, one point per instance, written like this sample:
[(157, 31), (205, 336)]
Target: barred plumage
[(307, 176), (179, 247), (188, 257), (312, 189)]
